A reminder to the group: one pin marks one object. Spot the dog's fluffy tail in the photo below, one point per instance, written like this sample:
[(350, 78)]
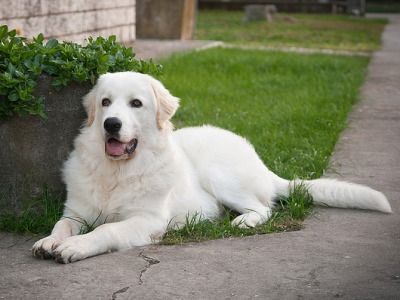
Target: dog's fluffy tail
[(334, 193)]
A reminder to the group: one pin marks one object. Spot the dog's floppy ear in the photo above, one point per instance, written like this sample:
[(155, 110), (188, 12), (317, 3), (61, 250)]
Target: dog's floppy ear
[(89, 103), (166, 104)]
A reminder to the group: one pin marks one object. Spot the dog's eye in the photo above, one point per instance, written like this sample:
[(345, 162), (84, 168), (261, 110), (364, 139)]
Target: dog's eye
[(136, 103), (106, 102)]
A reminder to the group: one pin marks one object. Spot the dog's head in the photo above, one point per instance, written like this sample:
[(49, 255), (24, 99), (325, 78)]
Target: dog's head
[(126, 107)]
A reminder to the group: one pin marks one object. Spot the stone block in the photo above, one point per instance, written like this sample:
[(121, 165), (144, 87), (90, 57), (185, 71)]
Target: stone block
[(259, 12), (356, 7), (160, 19), (33, 150)]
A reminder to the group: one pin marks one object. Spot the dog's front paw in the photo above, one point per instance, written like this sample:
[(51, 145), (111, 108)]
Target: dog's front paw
[(44, 248), (72, 249)]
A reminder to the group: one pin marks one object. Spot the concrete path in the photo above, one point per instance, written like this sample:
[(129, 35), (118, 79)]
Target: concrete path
[(146, 49), (345, 254)]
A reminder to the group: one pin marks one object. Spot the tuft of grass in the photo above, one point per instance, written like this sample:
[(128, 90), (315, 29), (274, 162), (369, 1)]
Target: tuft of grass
[(86, 227), (287, 216), (299, 202), (37, 218), (299, 30)]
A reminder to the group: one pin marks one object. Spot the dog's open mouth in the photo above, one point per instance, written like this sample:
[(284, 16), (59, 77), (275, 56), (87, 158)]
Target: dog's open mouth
[(116, 148)]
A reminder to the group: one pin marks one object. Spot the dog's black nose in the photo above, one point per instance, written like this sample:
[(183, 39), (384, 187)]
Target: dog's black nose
[(112, 125)]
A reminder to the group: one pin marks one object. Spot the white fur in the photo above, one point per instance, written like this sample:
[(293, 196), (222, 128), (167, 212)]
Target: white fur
[(170, 176)]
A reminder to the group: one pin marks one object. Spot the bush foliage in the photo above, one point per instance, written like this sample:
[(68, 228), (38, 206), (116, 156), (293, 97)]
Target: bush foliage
[(23, 61)]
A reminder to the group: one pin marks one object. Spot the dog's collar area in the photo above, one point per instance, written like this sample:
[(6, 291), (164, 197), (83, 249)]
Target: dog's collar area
[(116, 149)]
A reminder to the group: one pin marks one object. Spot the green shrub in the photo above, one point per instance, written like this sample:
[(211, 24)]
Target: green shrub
[(22, 61)]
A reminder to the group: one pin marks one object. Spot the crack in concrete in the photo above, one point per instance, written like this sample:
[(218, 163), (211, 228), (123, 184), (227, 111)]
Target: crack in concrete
[(150, 261), (123, 290)]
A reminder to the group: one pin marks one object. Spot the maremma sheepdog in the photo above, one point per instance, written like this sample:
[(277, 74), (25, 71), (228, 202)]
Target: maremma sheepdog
[(133, 176)]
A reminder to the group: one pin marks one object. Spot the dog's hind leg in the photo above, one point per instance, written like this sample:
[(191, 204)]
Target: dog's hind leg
[(251, 198), (249, 195), (252, 211)]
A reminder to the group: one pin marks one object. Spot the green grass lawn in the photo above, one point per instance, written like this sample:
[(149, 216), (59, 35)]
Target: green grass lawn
[(301, 30), (291, 107)]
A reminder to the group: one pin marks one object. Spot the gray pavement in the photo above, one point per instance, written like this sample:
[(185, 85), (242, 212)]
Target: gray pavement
[(344, 254), (146, 49)]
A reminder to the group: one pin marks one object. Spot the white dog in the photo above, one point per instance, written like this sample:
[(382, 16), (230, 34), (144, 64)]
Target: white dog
[(132, 176)]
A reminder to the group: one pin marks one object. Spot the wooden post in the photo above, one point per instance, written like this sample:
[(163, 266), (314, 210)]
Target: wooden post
[(188, 19)]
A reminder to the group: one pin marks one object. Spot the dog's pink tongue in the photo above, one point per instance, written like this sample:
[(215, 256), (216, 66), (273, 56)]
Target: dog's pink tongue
[(115, 148)]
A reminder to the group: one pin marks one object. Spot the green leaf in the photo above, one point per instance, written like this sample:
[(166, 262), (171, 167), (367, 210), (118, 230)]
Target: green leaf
[(3, 31), (13, 96), (51, 43), (103, 59), (39, 39), (12, 33), (11, 69), (112, 38)]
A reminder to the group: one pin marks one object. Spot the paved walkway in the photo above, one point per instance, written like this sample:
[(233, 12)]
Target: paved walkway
[(146, 49), (345, 254)]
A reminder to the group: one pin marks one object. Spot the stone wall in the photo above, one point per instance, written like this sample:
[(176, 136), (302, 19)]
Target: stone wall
[(71, 20)]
